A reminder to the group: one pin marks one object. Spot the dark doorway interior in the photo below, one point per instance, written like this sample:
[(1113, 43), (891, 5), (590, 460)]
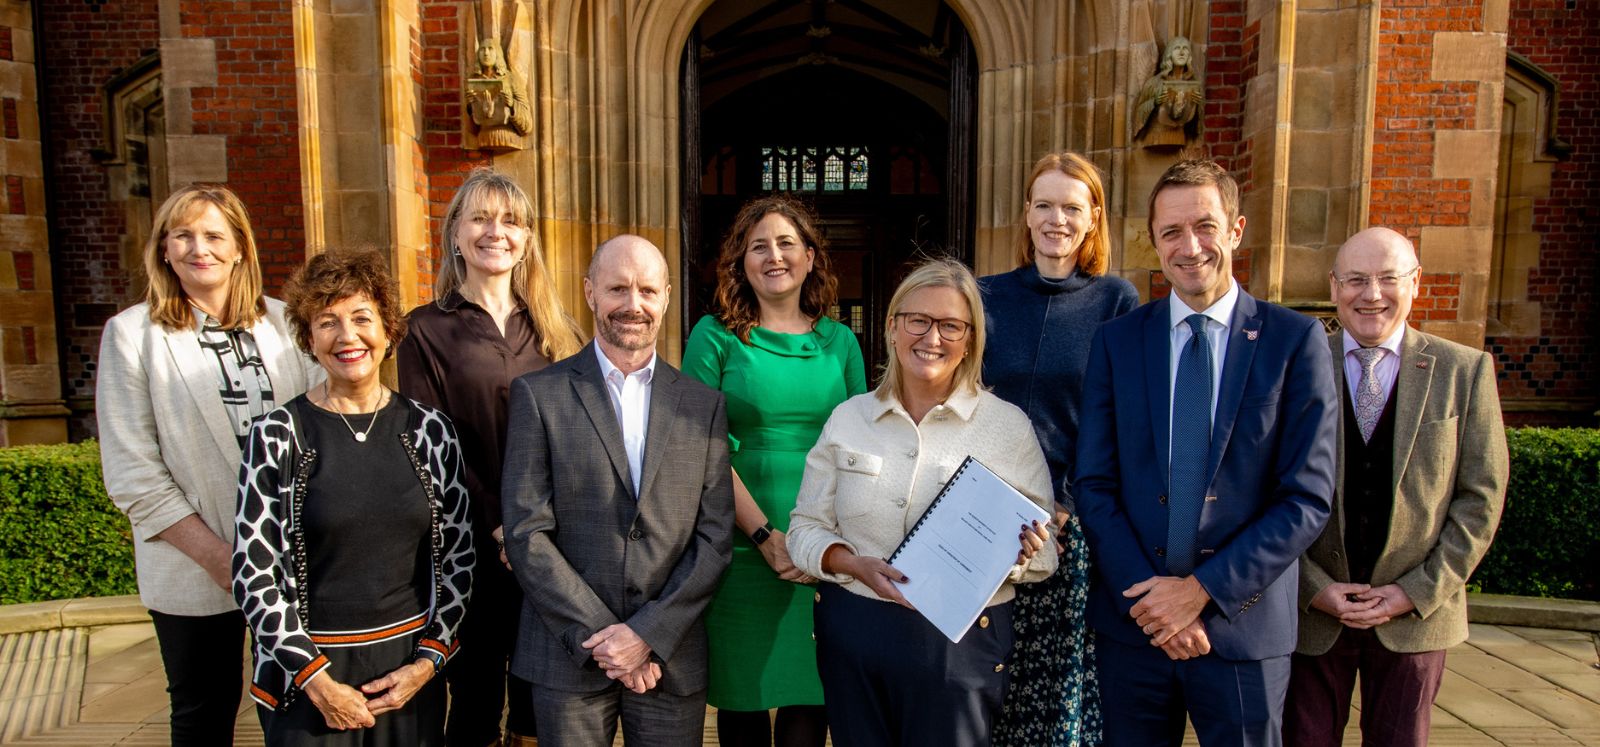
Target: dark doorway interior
[(861, 108)]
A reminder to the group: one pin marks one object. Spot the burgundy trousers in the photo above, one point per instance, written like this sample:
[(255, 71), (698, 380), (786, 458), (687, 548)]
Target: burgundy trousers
[(1397, 692)]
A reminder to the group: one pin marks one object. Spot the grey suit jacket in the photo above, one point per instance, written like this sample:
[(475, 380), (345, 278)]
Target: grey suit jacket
[(1450, 472), (166, 448), (587, 553)]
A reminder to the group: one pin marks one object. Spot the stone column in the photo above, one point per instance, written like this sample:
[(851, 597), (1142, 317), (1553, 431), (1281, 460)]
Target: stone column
[(31, 408)]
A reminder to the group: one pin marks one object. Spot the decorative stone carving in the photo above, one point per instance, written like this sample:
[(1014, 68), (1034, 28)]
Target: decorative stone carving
[(496, 100), (1170, 101)]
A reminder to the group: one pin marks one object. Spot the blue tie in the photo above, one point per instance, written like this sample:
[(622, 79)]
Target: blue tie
[(1191, 447)]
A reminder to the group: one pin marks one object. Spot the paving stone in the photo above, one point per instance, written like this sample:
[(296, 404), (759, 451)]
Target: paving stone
[(1492, 671), (1480, 707), (1560, 708)]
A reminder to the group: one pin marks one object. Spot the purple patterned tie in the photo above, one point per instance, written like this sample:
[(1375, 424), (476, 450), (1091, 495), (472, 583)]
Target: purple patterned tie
[(1369, 395)]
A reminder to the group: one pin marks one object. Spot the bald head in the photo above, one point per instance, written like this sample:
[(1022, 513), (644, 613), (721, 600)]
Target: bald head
[(627, 289), (637, 248), (1375, 278)]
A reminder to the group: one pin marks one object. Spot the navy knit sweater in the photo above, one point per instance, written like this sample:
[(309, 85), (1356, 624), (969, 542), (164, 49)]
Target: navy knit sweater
[(1039, 330)]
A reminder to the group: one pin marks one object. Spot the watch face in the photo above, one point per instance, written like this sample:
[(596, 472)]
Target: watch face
[(760, 535)]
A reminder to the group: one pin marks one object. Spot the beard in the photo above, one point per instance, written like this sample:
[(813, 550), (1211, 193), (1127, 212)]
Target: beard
[(625, 338)]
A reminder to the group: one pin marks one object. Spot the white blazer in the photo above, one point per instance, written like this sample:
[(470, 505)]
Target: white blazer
[(167, 449)]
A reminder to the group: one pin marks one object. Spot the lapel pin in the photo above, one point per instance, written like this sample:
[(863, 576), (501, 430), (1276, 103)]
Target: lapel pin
[(1422, 364), (1252, 334)]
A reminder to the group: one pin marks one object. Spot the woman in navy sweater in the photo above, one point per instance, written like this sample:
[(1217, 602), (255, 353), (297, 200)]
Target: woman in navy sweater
[(1040, 319)]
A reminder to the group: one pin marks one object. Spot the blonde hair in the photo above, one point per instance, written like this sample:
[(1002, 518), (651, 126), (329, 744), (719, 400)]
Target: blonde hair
[(1094, 254), (938, 273), (530, 281), (169, 305)]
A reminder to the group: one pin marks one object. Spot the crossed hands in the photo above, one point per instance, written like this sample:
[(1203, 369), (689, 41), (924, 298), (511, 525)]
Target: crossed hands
[(344, 707), (1168, 611), (625, 657), (1361, 606)]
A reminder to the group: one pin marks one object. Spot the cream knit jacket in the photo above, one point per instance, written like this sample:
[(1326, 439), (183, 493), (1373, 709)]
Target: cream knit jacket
[(874, 471)]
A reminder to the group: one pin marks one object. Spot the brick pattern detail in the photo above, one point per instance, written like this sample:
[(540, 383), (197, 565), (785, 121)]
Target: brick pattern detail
[(85, 47), (1227, 68), (1410, 107), (16, 201), (8, 111), (254, 104), (5, 45), (1439, 299), (447, 163), (1558, 36), (23, 262)]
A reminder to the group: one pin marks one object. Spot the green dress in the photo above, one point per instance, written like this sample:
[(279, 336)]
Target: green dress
[(781, 389)]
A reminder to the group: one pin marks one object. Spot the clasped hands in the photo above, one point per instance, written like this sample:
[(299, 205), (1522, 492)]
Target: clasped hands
[(1362, 606), (1168, 611), (344, 707), (625, 657)]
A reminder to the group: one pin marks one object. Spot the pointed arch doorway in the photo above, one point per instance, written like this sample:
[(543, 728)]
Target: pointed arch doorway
[(864, 108)]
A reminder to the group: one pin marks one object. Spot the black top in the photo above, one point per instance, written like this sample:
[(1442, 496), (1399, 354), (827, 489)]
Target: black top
[(366, 521), (453, 357)]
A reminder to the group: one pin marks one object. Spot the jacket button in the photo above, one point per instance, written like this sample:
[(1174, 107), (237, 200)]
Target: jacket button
[(912, 453), (636, 535), (1161, 499), (983, 621), (1161, 552), (999, 667), (817, 597)]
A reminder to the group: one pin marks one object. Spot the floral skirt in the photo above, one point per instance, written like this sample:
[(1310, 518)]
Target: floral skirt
[(1054, 696)]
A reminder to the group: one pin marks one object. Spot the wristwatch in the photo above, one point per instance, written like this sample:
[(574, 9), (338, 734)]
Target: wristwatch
[(760, 535)]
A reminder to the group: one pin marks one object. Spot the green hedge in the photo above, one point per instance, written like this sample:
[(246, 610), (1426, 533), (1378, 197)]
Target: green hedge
[(1549, 540), (60, 536)]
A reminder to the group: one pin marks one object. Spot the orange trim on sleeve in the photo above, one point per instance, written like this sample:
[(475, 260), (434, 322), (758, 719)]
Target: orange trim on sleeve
[(315, 666)]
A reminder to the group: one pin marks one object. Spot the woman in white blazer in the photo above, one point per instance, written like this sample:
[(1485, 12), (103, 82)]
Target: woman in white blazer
[(181, 377)]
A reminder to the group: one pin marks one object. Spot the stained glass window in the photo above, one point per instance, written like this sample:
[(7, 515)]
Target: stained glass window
[(814, 168)]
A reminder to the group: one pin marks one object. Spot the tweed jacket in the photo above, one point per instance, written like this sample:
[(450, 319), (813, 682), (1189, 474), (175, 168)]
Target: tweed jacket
[(588, 551), (1450, 472), (269, 569), (874, 471), (167, 449)]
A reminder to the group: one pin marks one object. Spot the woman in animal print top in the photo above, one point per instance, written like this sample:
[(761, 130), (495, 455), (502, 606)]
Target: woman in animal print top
[(353, 554)]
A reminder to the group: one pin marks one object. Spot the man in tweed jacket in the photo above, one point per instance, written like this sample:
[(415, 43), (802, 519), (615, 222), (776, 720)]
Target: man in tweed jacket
[(618, 509), (1421, 481)]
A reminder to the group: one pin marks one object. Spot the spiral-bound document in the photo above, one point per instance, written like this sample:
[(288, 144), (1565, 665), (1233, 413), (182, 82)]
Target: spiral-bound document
[(960, 551)]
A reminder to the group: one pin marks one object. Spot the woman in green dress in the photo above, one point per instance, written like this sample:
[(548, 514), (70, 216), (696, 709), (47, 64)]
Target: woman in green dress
[(783, 366)]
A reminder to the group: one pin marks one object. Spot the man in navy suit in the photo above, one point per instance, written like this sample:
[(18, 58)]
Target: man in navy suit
[(1205, 469)]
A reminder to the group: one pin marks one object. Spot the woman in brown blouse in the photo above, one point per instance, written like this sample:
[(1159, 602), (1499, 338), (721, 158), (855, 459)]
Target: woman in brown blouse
[(495, 317)]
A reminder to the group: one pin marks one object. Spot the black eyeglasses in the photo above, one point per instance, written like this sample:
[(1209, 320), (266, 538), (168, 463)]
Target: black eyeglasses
[(917, 325)]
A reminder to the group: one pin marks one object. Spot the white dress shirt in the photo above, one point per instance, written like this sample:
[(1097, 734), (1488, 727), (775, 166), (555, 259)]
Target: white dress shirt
[(1219, 317), (1387, 370), (630, 399)]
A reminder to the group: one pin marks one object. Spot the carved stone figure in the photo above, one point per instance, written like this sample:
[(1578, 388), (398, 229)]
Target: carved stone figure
[(1170, 102), (495, 97)]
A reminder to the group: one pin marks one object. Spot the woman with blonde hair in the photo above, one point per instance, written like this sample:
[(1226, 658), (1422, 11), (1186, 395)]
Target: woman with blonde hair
[(495, 316), (1041, 317), (889, 675), (774, 288), (181, 378)]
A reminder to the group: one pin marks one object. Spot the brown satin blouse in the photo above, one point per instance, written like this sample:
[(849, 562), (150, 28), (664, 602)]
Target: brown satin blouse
[(453, 357)]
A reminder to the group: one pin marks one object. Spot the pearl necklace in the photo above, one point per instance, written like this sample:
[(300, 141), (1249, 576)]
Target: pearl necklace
[(360, 436)]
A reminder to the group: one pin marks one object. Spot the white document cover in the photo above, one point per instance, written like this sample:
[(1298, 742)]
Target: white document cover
[(961, 549)]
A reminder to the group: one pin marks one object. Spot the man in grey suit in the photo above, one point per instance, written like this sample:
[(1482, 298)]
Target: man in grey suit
[(618, 509), (1422, 478)]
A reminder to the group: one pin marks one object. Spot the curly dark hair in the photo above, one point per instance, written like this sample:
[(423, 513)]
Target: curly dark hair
[(736, 304), (335, 275)]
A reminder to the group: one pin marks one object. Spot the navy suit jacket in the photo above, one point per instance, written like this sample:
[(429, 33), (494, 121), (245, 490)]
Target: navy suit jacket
[(1273, 444)]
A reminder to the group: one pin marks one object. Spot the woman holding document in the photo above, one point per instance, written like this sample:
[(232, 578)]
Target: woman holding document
[(889, 676)]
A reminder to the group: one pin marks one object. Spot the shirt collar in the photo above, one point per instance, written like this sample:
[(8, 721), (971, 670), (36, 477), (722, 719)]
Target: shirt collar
[(609, 369), (962, 402), (1220, 312), (1392, 344)]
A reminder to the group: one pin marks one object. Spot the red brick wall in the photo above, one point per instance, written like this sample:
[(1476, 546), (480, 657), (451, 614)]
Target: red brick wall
[(254, 104), (447, 163), (1563, 361), (82, 46), (1232, 54)]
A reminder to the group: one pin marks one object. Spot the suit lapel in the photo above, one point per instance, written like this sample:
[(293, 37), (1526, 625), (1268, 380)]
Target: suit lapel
[(1158, 381), (590, 387), (664, 394), (1411, 387), (270, 347), (1336, 348), (200, 377), (1242, 336)]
